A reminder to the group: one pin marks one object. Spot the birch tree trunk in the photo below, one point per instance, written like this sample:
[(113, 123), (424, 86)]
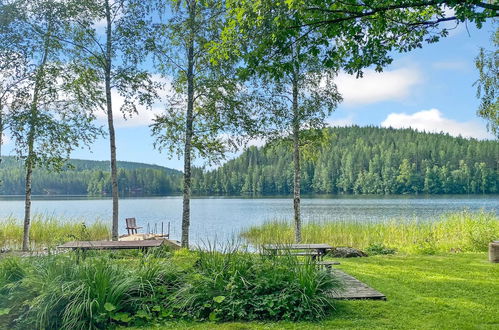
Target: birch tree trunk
[(188, 128), (27, 200), (1, 132), (31, 141), (296, 161), (109, 110)]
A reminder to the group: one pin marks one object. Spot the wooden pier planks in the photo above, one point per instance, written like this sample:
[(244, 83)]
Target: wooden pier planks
[(355, 289), (111, 245)]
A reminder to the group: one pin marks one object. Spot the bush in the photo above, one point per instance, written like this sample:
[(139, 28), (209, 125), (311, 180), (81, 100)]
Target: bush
[(379, 248), (66, 292), (242, 286), (114, 288)]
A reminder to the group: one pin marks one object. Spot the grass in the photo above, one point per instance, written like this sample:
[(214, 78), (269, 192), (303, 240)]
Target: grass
[(455, 232), (445, 291), (102, 289), (49, 231)]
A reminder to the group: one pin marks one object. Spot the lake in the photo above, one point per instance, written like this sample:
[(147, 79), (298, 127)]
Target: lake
[(222, 217)]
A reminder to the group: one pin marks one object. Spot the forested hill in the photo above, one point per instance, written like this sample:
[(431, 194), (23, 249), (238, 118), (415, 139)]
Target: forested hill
[(364, 160), (89, 177)]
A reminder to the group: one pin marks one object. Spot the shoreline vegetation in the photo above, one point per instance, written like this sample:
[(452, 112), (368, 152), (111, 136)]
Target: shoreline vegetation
[(452, 232), (100, 289), (185, 289), (463, 231), (49, 231), (229, 287)]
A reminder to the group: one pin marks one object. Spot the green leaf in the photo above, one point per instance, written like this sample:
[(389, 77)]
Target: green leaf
[(219, 299), (156, 308), (4, 311), (109, 307), (143, 314), (212, 316), (122, 317)]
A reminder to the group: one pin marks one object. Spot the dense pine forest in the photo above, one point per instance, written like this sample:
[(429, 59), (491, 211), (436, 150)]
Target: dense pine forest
[(357, 160), (364, 160), (92, 178)]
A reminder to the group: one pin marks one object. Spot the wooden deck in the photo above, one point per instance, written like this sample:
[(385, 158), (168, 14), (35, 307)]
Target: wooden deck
[(355, 289), (111, 245)]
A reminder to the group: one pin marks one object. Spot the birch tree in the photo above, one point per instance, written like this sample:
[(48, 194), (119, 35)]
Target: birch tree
[(48, 115), (13, 60), (487, 64), (108, 38), (206, 114)]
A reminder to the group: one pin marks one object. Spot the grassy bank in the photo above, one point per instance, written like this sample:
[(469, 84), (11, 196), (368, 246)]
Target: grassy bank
[(456, 232), (185, 290), (49, 231), (449, 291)]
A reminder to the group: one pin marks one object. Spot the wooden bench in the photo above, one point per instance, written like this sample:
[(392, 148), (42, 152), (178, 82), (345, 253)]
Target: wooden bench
[(301, 254), (315, 251)]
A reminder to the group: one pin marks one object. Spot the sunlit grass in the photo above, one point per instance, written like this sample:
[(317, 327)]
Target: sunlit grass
[(444, 291), (455, 232), (49, 231)]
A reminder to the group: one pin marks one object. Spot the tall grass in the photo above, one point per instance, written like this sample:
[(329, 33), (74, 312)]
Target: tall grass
[(107, 289), (49, 231), (462, 231), (64, 291)]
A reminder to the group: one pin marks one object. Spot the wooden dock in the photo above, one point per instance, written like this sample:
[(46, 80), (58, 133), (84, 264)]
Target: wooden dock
[(355, 289), (111, 245)]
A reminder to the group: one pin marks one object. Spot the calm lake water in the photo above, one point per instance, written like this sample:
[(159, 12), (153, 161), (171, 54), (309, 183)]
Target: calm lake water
[(224, 217)]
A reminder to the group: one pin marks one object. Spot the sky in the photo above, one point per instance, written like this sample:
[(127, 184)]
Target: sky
[(429, 89)]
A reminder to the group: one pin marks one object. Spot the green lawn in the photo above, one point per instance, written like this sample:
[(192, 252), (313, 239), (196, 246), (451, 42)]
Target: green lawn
[(451, 291)]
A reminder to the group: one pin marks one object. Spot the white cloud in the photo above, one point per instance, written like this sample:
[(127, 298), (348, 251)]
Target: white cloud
[(144, 116), (433, 121), (376, 87), (257, 142)]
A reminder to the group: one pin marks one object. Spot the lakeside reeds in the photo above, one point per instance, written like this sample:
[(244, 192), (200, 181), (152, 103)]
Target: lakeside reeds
[(454, 232), (48, 231)]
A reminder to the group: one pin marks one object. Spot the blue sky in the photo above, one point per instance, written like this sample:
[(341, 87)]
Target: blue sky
[(428, 89)]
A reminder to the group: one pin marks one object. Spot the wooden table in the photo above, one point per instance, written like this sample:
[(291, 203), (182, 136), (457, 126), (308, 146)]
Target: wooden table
[(111, 245), (316, 251)]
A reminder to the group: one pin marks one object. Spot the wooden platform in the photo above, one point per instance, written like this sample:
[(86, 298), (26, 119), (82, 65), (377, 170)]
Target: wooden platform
[(355, 289), (111, 245)]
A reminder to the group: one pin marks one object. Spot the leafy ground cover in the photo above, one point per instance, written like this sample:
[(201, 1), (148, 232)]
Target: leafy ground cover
[(96, 290), (455, 232), (446, 291)]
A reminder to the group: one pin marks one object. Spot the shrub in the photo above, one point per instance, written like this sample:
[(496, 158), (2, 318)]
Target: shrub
[(72, 293), (237, 285), (379, 248), (103, 289)]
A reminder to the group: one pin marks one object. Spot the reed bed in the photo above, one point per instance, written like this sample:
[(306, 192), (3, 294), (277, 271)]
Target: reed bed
[(48, 231), (454, 232)]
